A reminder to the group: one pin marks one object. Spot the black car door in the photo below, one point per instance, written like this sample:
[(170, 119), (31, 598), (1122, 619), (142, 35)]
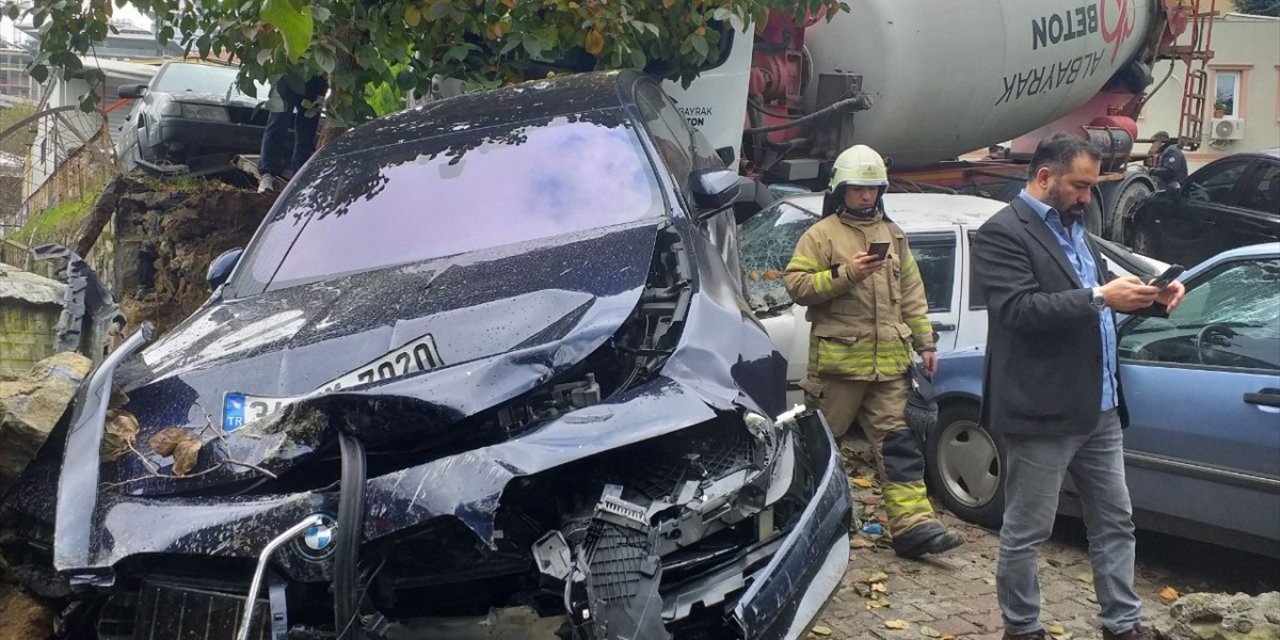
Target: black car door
[(1256, 219), (1189, 226)]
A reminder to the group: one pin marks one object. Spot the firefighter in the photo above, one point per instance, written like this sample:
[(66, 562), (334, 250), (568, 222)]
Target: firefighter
[(868, 322)]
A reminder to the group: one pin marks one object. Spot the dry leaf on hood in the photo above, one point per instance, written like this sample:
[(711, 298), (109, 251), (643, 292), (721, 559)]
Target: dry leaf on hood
[(167, 440), (120, 433), (185, 456)]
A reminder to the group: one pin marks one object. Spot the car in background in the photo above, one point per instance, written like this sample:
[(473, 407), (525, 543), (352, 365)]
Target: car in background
[(939, 228), (191, 117), (1202, 450), (1231, 202)]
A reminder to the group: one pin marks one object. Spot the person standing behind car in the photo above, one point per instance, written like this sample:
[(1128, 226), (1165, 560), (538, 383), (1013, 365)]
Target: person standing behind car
[(274, 157), (1168, 162), (868, 322), (1050, 387)]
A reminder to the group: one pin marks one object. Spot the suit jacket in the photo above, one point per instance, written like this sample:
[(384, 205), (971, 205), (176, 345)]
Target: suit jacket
[(1043, 368)]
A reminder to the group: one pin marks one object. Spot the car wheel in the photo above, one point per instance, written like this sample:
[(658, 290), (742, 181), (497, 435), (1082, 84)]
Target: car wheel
[(1126, 203), (964, 462)]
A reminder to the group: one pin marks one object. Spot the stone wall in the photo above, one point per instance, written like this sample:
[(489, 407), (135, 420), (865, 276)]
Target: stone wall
[(26, 334)]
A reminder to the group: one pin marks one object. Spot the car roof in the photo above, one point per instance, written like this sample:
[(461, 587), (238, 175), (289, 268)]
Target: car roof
[(535, 99), (1273, 153), (1264, 250), (923, 211)]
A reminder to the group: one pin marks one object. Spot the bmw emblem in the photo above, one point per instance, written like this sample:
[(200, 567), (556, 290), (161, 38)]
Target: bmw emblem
[(317, 543)]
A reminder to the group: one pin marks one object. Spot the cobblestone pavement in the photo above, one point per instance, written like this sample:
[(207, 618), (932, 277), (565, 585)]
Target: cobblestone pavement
[(953, 596)]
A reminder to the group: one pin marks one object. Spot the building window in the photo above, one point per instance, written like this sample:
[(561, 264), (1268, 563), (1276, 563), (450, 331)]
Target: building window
[(1228, 94)]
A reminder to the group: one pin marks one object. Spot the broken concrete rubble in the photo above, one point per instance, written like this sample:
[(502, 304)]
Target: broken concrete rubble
[(1220, 616), (31, 406)]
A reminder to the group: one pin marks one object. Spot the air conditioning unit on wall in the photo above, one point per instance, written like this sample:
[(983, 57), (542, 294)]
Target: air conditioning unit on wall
[(1226, 128)]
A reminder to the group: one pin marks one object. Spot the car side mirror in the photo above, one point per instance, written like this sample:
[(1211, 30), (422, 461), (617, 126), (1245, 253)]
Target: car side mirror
[(132, 91), (1174, 188), (713, 190), (220, 268), (727, 156)]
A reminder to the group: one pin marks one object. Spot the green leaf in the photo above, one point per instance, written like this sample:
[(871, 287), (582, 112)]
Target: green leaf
[(514, 41), (405, 80), (14, 11), (320, 14), (438, 9), (532, 46), (296, 26), (458, 52), (263, 57), (325, 59), (40, 73)]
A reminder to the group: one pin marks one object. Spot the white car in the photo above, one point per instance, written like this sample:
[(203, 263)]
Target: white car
[(939, 229)]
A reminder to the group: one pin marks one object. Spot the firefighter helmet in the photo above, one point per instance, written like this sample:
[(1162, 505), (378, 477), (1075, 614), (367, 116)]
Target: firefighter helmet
[(859, 166)]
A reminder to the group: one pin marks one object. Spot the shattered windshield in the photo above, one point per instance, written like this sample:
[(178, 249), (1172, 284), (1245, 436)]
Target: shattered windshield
[(768, 240), (453, 194)]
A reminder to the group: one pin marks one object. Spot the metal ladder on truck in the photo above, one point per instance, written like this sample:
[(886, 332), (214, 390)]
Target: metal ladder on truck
[(1196, 85)]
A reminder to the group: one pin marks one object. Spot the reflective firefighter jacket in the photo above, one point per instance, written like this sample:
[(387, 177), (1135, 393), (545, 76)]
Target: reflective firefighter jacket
[(861, 330)]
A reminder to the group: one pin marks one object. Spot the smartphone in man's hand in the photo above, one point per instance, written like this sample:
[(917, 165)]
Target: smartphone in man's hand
[(879, 249), (1165, 279)]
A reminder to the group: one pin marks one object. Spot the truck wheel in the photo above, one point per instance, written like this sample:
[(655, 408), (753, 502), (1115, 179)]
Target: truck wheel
[(1093, 217), (1126, 203), (964, 463)]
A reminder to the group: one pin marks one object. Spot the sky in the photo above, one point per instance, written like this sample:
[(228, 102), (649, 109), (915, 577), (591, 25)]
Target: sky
[(10, 32)]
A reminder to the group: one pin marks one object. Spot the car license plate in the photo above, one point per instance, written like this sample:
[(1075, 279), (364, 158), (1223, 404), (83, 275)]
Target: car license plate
[(239, 409)]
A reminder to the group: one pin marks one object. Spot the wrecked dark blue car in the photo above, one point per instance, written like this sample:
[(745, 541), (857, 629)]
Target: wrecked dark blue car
[(485, 371)]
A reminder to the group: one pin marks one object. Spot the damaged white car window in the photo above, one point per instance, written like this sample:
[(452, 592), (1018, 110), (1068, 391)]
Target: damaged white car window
[(768, 240)]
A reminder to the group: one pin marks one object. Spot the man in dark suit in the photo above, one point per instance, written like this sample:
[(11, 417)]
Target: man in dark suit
[(1050, 386)]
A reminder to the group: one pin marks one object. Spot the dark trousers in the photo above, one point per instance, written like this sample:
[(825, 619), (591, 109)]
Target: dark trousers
[(275, 140)]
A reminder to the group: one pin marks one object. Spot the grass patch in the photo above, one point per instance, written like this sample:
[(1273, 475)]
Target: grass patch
[(179, 182), (58, 222)]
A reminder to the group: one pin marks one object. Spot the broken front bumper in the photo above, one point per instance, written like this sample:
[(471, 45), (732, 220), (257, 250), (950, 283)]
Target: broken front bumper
[(769, 585), (790, 591)]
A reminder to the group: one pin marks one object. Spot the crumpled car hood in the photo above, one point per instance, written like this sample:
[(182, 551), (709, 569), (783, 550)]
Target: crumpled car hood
[(501, 322)]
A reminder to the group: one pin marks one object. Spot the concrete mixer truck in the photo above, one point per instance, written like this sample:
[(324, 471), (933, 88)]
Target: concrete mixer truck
[(925, 81)]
